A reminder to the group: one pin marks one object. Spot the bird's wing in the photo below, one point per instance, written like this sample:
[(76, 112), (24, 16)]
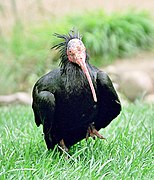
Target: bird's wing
[(44, 97), (109, 104), (44, 109), (43, 106)]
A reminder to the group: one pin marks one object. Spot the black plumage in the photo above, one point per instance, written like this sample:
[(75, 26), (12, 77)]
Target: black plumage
[(63, 102)]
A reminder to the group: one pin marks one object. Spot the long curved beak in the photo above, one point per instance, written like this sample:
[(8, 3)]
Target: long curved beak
[(82, 64)]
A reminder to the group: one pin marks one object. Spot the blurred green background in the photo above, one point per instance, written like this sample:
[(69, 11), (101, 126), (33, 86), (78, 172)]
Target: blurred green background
[(110, 31)]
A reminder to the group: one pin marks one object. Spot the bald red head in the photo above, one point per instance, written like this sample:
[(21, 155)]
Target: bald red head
[(76, 51)]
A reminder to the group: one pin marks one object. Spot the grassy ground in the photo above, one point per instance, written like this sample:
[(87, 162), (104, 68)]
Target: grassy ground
[(127, 153)]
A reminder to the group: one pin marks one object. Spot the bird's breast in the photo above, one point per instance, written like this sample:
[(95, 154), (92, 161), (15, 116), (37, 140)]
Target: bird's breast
[(74, 101), (75, 108)]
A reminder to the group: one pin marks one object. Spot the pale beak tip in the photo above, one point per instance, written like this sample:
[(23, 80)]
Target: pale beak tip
[(95, 99)]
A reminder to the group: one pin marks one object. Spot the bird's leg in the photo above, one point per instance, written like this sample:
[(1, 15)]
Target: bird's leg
[(89, 133), (62, 145), (92, 132)]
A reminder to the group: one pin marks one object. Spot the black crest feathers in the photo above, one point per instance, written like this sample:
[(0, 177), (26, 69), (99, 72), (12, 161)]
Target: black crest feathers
[(62, 46)]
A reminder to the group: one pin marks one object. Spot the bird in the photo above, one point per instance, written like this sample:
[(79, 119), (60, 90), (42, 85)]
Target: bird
[(74, 101)]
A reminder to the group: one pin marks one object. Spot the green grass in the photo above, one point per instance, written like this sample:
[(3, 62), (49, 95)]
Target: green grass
[(127, 153), (115, 35)]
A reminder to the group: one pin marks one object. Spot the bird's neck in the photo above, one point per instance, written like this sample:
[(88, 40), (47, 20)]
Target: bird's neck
[(73, 69), (73, 75)]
